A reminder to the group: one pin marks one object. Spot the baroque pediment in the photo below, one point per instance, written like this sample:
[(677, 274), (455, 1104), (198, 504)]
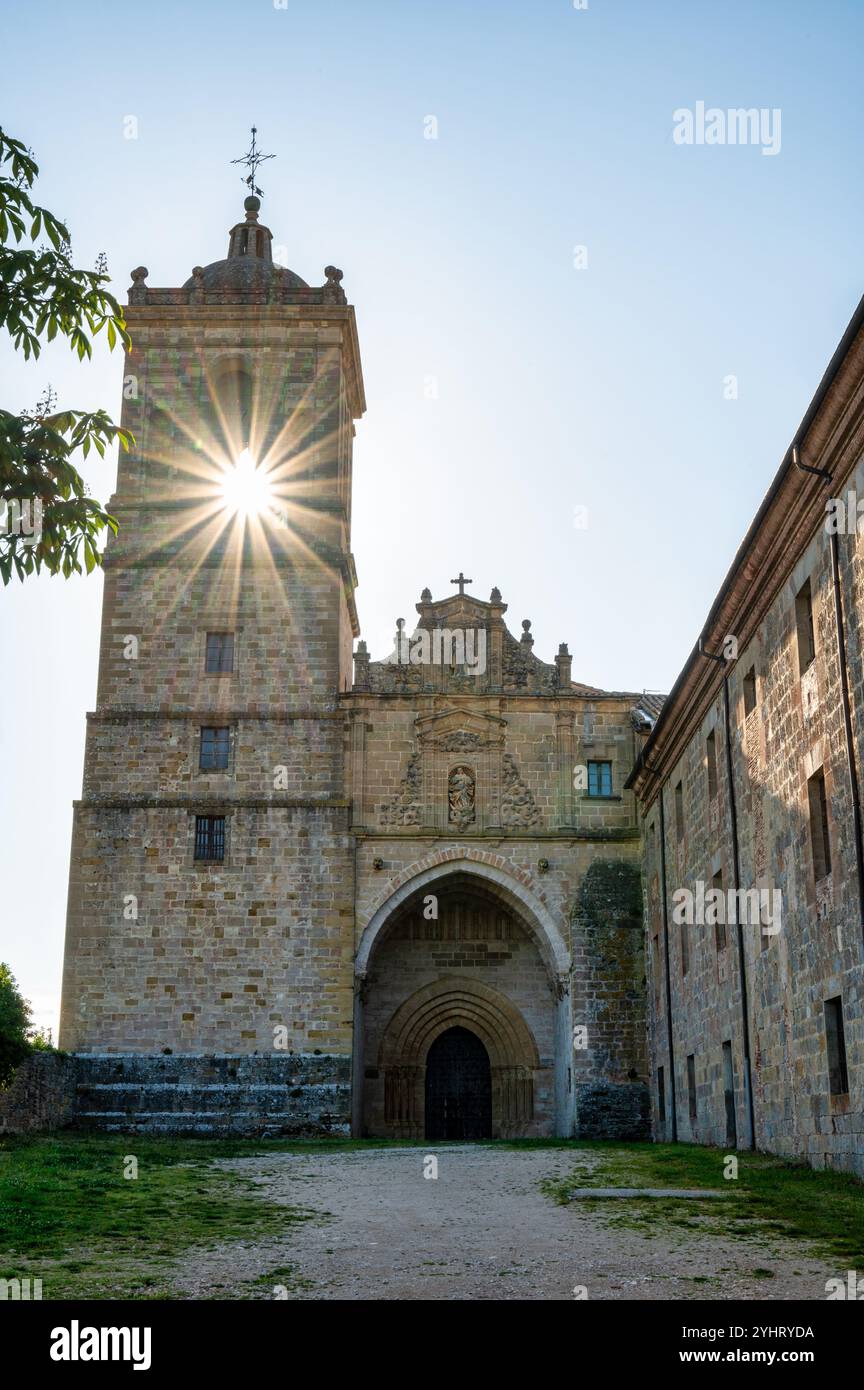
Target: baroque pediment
[(457, 729)]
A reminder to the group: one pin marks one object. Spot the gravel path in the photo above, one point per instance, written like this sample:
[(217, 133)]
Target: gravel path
[(481, 1230)]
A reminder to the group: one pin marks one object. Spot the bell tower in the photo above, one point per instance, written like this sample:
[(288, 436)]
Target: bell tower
[(210, 900)]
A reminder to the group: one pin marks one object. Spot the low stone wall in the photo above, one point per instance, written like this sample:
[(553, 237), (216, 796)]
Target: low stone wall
[(613, 1112), (41, 1094)]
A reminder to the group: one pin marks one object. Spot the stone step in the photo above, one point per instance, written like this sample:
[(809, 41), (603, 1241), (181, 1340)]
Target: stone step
[(238, 1123), (278, 1069), (124, 1096)]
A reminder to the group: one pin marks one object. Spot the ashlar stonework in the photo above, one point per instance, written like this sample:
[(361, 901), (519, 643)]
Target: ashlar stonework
[(312, 891)]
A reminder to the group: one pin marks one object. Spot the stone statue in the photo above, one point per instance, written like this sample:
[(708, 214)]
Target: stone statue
[(460, 791)]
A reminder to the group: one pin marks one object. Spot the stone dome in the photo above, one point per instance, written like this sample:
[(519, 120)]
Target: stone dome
[(246, 273)]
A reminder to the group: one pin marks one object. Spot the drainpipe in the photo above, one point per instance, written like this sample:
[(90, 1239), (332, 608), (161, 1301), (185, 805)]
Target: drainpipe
[(670, 1044), (736, 879), (854, 783)]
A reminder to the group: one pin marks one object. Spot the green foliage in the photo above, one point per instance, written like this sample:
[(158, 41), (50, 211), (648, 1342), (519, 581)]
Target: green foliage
[(15, 1024), (18, 1037), (46, 517)]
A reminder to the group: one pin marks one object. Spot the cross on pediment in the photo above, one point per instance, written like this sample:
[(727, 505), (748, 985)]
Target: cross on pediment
[(461, 581)]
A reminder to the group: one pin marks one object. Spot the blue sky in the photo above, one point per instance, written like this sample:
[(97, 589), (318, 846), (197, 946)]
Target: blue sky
[(557, 387)]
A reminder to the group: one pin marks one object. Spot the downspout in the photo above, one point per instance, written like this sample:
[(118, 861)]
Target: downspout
[(668, 973), (844, 689), (736, 879)]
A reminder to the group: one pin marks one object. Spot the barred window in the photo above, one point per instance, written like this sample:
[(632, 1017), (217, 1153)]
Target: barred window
[(220, 652), (210, 837), (599, 779), (215, 746)]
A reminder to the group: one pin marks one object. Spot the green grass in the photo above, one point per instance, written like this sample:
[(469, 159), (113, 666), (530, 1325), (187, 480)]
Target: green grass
[(70, 1217), (770, 1198)]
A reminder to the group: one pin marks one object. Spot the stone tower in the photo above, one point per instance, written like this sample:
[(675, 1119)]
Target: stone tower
[(404, 900), (213, 795)]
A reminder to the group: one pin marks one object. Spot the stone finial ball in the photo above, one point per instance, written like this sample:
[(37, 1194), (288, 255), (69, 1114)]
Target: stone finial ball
[(140, 273), (252, 204)]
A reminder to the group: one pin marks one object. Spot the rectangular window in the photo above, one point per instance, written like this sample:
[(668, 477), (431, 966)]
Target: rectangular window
[(679, 812), (215, 747), (685, 949), (599, 779), (749, 692), (210, 837), (804, 624), (691, 1084), (711, 751), (819, 838), (720, 910), (838, 1075), (661, 1096), (729, 1096), (220, 652)]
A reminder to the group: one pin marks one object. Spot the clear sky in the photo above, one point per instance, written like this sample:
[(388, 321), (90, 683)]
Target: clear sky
[(508, 382)]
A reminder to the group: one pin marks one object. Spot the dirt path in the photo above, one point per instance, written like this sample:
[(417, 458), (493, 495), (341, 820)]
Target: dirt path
[(481, 1230)]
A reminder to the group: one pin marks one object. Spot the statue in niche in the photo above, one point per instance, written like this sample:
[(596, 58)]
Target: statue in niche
[(461, 795)]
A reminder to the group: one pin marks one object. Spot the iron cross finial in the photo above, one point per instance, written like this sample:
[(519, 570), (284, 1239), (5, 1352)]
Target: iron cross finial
[(252, 158), (461, 581)]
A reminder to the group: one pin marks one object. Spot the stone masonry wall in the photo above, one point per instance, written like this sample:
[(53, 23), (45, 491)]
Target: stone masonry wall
[(795, 729)]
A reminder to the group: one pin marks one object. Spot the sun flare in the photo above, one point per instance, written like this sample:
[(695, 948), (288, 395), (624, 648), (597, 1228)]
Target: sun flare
[(245, 487)]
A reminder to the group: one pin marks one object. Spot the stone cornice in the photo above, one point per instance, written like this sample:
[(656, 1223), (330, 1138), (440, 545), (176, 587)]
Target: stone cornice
[(569, 835), (210, 799), (121, 715)]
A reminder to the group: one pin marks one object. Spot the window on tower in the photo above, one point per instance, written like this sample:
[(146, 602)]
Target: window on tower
[(234, 397), (210, 838), (215, 747), (220, 653)]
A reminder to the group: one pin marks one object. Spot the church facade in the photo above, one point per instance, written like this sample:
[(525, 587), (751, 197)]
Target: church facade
[(311, 891)]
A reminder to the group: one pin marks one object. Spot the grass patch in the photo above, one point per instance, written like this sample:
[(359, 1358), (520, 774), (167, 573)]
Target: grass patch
[(70, 1217), (769, 1197)]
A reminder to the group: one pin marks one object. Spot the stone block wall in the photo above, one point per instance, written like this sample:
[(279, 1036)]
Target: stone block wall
[(40, 1096), (795, 730)]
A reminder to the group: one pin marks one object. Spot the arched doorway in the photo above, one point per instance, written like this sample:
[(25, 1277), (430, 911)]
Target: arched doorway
[(458, 1087)]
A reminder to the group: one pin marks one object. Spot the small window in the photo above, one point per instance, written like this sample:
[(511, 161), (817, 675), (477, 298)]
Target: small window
[(820, 841), (729, 1096), (661, 1096), (210, 838), (720, 910), (685, 949), (220, 652), (749, 692), (215, 747), (838, 1075), (679, 812), (599, 779), (691, 1084), (804, 624), (711, 751)]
